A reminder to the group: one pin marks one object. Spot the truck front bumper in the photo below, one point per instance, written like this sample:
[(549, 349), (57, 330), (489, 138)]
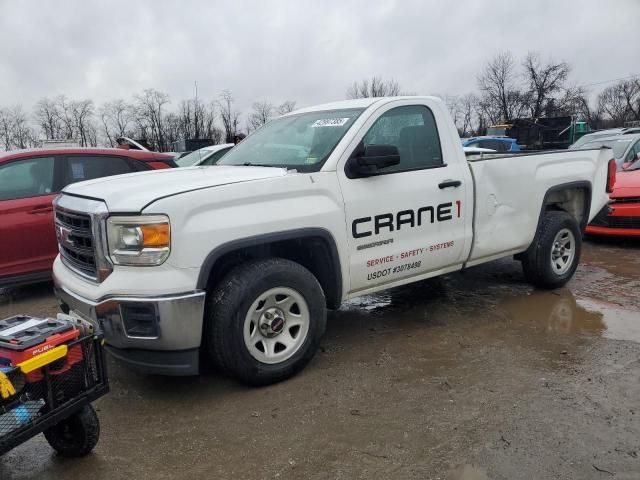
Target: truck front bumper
[(156, 335)]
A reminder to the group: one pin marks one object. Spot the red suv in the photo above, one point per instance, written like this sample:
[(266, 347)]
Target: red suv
[(30, 180)]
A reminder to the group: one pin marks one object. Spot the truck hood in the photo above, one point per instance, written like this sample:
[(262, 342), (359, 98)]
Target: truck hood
[(133, 192)]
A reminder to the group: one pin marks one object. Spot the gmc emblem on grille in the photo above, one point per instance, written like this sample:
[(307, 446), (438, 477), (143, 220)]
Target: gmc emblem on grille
[(64, 236)]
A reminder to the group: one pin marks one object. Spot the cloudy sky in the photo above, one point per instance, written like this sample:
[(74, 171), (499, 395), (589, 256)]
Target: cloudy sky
[(308, 51)]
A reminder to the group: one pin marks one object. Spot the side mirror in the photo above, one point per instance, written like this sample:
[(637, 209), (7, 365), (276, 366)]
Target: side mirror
[(366, 162)]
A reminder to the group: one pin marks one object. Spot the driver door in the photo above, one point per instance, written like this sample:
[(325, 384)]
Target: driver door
[(409, 219)]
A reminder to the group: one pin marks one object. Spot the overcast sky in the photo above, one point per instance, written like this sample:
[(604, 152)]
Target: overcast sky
[(308, 51)]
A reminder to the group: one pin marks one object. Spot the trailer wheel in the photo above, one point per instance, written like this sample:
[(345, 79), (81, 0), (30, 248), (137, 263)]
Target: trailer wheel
[(264, 321), (553, 257), (76, 435)]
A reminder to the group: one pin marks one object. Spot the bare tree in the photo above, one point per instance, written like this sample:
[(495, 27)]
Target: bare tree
[(376, 87), (262, 113), (150, 116), (82, 114), (15, 130), (47, 116), (286, 107), (65, 115), (209, 123), (631, 93), (501, 95), (6, 128), (230, 118), (613, 103), (544, 81), (467, 105), (117, 119)]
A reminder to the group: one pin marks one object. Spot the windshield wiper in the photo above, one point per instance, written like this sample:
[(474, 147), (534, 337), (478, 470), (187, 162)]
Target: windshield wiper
[(249, 164)]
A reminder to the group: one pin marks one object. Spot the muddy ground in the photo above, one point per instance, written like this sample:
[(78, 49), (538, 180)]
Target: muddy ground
[(471, 376)]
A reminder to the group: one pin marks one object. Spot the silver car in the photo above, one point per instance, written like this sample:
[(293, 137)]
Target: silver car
[(205, 156)]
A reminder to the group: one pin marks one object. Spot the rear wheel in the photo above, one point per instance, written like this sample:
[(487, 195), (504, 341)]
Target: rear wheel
[(553, 258), (264, 321)]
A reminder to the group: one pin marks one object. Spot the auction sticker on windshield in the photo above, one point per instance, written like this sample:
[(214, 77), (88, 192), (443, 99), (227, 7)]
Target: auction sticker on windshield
[(330, 122)]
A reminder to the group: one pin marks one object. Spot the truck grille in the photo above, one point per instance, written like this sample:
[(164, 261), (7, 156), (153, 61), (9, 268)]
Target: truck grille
[(76, 242)]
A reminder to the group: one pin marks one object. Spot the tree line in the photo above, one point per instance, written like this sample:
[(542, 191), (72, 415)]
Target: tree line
[(507, 88), (528, 88), (147, 116)]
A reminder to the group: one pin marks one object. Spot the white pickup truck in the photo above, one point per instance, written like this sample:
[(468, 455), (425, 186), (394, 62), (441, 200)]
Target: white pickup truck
[(238, 262)]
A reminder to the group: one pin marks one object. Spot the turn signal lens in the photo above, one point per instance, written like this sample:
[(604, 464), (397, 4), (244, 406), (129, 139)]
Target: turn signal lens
[(155, 236)]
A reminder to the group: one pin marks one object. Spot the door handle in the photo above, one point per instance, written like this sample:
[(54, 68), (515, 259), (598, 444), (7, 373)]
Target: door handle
[(41, 209), (449, 183)]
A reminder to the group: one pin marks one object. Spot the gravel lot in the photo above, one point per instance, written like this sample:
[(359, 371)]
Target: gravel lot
[(471, 376)]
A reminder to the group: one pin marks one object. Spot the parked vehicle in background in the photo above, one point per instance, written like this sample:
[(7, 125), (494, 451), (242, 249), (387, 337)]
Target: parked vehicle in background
[(30, 180), (544, 133), (240, 260), (621, 218), (127, 143), (205, 156), (191, 144), (610, 132), (497, 144), (625, 148)]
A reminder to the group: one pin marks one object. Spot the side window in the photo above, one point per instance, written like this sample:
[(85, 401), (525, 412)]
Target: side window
[(412, 129), (213, 159), (87, 167), (32, 177), (496, 145)]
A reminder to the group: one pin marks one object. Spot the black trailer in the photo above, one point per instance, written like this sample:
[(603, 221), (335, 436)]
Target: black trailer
[(51, 393)]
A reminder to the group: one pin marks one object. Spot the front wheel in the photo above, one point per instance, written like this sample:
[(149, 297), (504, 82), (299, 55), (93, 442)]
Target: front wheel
[(76, 435), (553, 258), (264, 321)]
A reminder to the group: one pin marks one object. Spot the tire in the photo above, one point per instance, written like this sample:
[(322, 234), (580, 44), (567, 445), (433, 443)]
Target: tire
[(255, 329), (76, 435), (547, 265)]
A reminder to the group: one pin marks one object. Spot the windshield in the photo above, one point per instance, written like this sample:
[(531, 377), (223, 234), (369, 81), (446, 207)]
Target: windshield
[(592, 137), (618, 146), (302, 142), (194, 157)]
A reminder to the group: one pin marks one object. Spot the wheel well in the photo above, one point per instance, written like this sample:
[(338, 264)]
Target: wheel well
[(573, 199), (316, 253)]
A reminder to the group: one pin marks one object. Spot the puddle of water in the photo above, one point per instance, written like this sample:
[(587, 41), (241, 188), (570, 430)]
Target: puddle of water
[(620, 324), (559, 312)]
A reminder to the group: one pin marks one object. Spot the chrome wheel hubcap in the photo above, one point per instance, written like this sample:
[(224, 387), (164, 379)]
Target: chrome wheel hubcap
[(276, 325), (563, 251)]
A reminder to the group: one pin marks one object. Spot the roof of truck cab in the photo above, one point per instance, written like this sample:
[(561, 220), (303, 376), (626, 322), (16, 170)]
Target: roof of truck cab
[(356, 103), (135, 154)]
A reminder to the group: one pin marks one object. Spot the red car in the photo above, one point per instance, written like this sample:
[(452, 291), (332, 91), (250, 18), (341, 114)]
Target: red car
[(30, 180), (621, 218)]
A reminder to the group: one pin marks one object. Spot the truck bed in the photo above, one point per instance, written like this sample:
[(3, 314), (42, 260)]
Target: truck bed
[(509, 200)]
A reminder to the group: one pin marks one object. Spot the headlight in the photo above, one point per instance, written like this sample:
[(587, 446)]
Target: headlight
[(139, 240)]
